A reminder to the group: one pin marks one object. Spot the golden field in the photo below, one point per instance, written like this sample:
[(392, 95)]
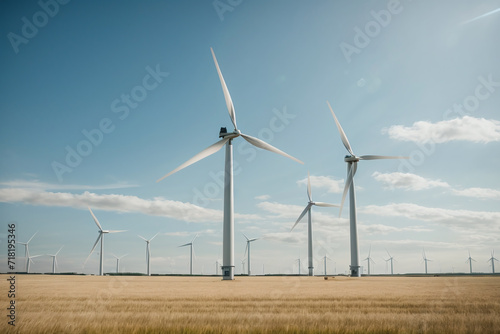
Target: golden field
[(126, 304)]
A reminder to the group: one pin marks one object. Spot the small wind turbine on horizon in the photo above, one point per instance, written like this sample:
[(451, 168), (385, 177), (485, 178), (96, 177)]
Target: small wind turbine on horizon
[(227, 138), (148, 253), (492, 259), (54, 260), (243, 266), (118, 262), (307, 210), (190, 244), (470, 259), (352, 165), (247, 249), (324, 262), (390, 259), (425, 259), (298, 261), (369, 259), (101, 238), (29, 260), (27, 251)]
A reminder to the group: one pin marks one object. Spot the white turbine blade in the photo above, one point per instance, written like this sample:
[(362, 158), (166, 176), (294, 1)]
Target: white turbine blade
[(27, 242), (196, 236), (95, 244), (203, 154), (58, 250), (309, 195), (154, 236), (245, 236), (301, 215), (246, 249), (116, 231), (254, 239), (113, 255), (262, 144), (142, 238), (326, 205), (343, 137), (348, 182), (95, 219), (185, 245), (378, 157), (227, 96)]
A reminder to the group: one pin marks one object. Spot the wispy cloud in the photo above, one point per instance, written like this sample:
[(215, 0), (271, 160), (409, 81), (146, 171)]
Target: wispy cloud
[(325, 182), (262, 197), (467, 128), (35, 184), (114, 202), (415, 182)]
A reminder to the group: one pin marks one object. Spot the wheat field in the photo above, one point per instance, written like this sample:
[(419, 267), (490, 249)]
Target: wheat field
[(130, 304)]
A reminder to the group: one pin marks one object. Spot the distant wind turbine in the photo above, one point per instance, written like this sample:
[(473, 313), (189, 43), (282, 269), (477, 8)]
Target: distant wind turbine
[(324, 262), (243, 266), (27, 251), (298, 261), (390, 259), (307, 210), (217, 265), (247, 250), (54, 260), (470, 259), (148, 253), (425, 259), (118, 262), (227, 138), (493, 259), (29, 260), (352, 165), (369, 259), (190, 244), (101, 238)]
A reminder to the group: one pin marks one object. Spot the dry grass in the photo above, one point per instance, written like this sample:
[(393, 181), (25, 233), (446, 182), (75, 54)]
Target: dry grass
[(88, 304)]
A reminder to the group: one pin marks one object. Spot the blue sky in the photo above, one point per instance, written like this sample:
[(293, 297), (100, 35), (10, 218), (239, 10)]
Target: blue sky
[(414, 78)]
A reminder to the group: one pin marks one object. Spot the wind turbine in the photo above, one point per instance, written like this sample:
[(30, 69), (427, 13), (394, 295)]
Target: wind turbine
[(470, 259), (425, 259), (28, 260), (309, 225), (390, 259), (54, 260), (227, 138), (217, 265), (369, 259), (352, 165), (298, 260), (118, 261), (247, 249), (324, 262), (243, 266), (190, 244), (148, 252), (101, 238), (493, 259), (27, 251)]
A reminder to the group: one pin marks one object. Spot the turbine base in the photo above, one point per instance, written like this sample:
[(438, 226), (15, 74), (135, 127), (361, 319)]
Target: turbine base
[(355, 272), (227, 273)]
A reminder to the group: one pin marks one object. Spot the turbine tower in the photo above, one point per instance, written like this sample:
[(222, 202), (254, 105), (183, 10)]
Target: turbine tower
[(309, 225), (227, 138), (493, 259), (298, 261), (352, 165), (54, 260), (27, 251), (324, 262), (247, 249), (118, 262), (101, 238), (148, 253), (190, 244), (470, 259), (425, 259), (390, 259), (369, 259)]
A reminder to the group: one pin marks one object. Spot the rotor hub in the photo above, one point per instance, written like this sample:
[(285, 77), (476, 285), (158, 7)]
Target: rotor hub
[(351, 158)]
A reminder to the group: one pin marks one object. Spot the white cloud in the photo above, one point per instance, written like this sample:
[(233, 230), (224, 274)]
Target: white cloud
[(477, 130), (114, 202), (384, 229), (482, 193), (325, 182), (407, 181), (262, 197)]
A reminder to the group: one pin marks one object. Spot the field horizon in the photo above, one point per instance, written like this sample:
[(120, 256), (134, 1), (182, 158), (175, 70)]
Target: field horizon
[(255, 304)]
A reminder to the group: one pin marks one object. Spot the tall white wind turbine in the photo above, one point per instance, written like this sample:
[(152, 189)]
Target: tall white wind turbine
[(191, 246), (493, 259), (470, 259), (425, 259), (27, 250), (390, 259), (307, 210), (227, 138), (369, 259), (118, 261), (148, 253), (247, 251), (352, 165), (29, 260), (101, 238), (54, 260)]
